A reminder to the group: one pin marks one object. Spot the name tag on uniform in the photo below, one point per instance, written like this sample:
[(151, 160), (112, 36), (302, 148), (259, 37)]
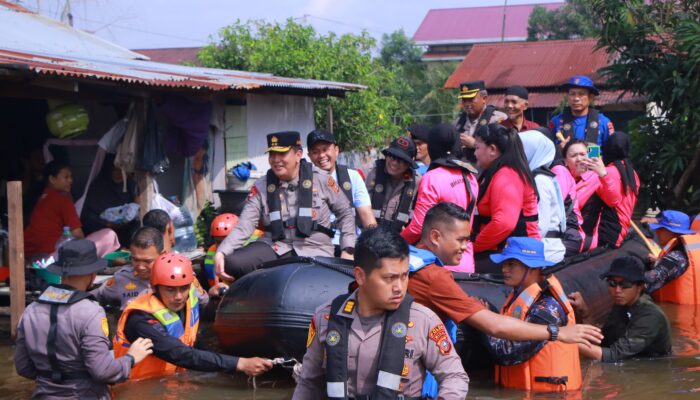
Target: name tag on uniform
[(56, 295)]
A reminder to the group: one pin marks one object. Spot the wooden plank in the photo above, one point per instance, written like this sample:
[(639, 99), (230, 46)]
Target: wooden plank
[(146, 187), (16, 242)]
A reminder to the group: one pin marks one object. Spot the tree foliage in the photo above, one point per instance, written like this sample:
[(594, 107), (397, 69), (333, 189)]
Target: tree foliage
[(364, 118), (657, 48), (420, 87), (575, 19)]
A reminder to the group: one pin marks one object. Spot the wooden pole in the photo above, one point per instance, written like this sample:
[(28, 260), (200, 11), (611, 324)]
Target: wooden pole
[(16, 242), (329, 116), (147, 194)]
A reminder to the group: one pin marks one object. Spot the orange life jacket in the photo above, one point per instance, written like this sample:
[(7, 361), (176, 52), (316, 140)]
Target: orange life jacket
[(695, 224), (556, 367), (686, 288), (153, 366)]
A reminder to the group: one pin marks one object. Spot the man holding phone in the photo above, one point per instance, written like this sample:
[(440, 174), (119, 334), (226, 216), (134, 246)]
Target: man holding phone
[(580, 120)]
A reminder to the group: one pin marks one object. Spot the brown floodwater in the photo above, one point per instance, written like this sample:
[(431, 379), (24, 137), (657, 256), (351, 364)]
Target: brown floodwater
[(673, 377)]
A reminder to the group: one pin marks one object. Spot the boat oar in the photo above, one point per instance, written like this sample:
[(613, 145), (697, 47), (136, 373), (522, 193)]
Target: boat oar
[(651, 245)]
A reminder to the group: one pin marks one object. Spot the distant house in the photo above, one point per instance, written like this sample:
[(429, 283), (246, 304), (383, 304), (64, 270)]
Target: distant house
[(172, 55), (450, 33), (542, 67)]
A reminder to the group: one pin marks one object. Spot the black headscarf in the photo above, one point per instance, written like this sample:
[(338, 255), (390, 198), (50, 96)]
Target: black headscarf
[(443, 145), (616, 151)]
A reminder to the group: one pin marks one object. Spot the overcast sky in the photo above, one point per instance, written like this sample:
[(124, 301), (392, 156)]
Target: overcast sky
[(139, 24)]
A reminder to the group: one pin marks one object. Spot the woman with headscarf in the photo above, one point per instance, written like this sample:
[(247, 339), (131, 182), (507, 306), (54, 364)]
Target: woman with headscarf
[(551, 215), (573, 235), (106, 191), (507, 201), (448, 180)]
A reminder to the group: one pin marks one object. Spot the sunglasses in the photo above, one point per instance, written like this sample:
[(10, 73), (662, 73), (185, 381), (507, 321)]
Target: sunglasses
[(623, 284)]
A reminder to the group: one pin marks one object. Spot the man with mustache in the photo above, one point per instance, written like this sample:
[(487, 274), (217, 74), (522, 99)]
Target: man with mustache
[(293, 203), (473, 96)]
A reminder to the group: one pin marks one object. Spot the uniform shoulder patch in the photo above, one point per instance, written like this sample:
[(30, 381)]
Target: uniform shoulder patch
[(311, 335), (349, 306), (110, 282), (438, 334), (105, 326), (253, 192)]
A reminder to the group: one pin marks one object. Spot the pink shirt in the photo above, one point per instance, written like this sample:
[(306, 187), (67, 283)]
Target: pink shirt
[(606, 188), (441, 185), (505, 198), (567, 184)]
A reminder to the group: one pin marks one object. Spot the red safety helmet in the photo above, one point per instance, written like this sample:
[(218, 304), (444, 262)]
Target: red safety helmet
[(223, 224), (172, 269)]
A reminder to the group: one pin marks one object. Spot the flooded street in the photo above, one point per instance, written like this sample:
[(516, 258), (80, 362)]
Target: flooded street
[(675, 377)]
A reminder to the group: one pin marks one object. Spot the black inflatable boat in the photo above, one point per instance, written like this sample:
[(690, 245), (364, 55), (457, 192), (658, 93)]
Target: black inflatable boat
[(267, 312)]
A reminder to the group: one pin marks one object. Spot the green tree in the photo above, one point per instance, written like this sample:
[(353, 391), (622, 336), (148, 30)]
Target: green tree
[(656, 49), (575, 19), (364, 118), (420, 86)]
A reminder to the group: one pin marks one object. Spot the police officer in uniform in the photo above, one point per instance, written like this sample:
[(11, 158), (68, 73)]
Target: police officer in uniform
[(376, 342), (475, 113), (323, 152), (293, 203), (62, 338), (580, 120), (133, 280), (393, 184)]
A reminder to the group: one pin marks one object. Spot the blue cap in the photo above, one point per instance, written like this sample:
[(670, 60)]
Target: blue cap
[(674, 221), (581, 81), (527, 250)]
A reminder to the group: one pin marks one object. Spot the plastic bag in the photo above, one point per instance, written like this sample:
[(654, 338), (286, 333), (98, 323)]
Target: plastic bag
[(161, 203), (121, 214)]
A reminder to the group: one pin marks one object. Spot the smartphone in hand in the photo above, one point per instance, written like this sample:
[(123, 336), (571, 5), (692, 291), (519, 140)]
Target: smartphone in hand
[(593, 151)]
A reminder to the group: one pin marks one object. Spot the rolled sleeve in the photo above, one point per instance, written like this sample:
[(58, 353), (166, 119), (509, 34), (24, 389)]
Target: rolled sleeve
[(446, 367), (360, 195)]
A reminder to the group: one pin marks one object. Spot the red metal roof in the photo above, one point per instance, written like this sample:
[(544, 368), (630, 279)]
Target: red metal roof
[(476, 24), (530, 64), (175, 55), (552, 99)]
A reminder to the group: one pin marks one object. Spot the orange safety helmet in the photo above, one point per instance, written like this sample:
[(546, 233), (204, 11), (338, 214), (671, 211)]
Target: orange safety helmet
[(223, 224), (172, 269)]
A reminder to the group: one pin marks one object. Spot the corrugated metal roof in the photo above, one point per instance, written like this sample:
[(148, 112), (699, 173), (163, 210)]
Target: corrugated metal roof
[(530, 64), (158, 74), (552, 99), (174, 55), (47, 47), (24, 30), (476, 24)]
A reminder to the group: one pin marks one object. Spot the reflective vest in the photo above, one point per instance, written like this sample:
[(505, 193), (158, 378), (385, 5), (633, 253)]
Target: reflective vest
[(391, 354), (404, 211), (686, 288), (304, 222), (592, 125), (556, 367), (153, 366), (209, 271)]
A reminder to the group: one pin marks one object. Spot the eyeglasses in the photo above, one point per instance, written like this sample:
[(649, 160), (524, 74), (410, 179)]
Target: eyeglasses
[(623, 284)]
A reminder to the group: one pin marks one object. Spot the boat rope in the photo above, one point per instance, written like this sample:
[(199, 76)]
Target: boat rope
[(288, 363)]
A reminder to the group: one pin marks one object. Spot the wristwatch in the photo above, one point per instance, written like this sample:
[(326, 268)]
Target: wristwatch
[(553, 332)]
